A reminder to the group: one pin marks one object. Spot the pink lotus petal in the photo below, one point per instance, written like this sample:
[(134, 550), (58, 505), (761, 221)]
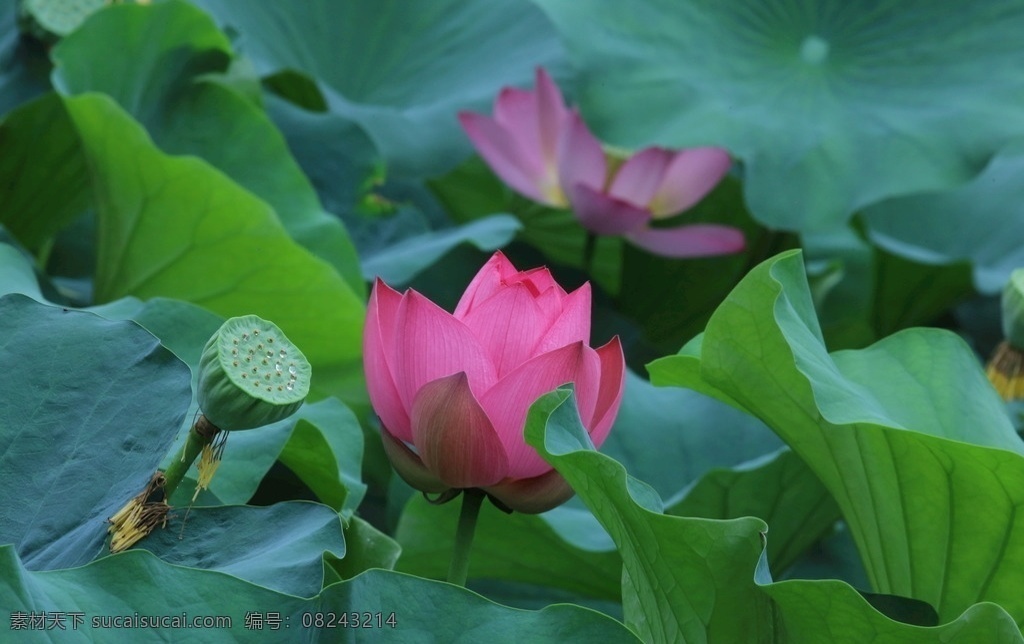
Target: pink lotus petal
[(507, 402), (516, 111), (497, 274), (506, 155), (609, 395), (409, 466), (508, 326), (454, 437), (572, 324), (378, 343), (580, 157), (534, 495), (690, 176), (433, 344), (697, 240), (506, 270), (552, 115), (538, 279), (550, 302), (487, 281), (548, 293), (639, 177), (606, 215)]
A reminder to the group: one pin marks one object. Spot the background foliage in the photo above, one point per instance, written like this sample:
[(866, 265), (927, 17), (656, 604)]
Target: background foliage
[(793, 462)]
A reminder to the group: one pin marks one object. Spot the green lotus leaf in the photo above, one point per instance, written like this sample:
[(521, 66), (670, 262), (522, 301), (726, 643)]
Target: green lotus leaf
[(401, 71), (830, 105), (906, 435), (701, 580)]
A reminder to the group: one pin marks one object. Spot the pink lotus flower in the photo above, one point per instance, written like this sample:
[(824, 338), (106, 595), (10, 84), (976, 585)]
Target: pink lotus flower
[(452, 390), (521, 142), (654, 183), (545, 151)]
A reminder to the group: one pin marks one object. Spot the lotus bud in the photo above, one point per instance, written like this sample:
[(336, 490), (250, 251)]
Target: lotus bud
[(1013, 310), (251, 375), (453, 408), (1005, 370)]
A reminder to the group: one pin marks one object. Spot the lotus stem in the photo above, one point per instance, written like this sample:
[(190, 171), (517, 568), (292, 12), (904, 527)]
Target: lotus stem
[(458, 571), (201, 435), (589, 250)]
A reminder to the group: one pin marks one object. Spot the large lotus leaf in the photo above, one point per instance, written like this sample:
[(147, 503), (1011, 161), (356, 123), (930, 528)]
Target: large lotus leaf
[(181, 326), (45, 189), (693, 434), (336, 154), (143, 56), (399, 263), (779, 489), (831, 611), (832, 105), (279, 546), (864, 293), (682, 578), (834, 557), (44, 183), (23, 64), (221, 126), (512, 547), (366, 547), (401, 71), (151, 60), (907, 435), (16, 274), (981, 222), (700, 580), (175, 227), (326, 453), (138, 583), (90, 407)]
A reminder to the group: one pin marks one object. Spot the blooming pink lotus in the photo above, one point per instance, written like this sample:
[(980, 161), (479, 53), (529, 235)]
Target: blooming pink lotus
[(545, 151), (521, 142), (453, 390)]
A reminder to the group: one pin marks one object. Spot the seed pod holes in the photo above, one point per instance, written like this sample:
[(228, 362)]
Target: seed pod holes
[(272, 394)]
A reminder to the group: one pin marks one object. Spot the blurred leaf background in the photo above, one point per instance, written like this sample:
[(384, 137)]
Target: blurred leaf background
[(807, 466)]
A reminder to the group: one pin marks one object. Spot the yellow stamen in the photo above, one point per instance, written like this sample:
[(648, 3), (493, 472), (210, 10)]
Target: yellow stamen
[(209, 461), (139, 516)]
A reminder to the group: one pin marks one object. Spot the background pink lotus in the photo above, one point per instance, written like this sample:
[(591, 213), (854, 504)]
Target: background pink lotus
[(453, 390), (545, 151)]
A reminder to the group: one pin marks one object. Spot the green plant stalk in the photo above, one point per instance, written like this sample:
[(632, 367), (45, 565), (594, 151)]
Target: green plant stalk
[(201, 435), (589, 252), (458, 571)]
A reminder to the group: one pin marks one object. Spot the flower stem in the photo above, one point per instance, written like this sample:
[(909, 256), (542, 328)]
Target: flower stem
[(199, 436), (589, 248), (458, 571)]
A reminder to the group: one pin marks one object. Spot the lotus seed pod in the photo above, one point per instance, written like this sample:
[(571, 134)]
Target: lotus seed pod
[(1013, 310), (251, 375)]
